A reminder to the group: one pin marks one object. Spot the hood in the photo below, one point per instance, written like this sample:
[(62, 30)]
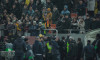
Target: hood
[(19, 39)]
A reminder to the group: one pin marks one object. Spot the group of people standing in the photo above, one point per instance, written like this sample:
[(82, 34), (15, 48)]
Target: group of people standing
[(52, 48)]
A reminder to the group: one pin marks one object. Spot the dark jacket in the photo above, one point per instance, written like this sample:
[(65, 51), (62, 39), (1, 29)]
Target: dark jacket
[(37, 48), (98, 47), (79, 49), (55, 16), (81, 9), (19, 46), (88, 24), (89, 51)]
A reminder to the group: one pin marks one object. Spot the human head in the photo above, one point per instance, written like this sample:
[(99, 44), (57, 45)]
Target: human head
[(88, 42), (98, 36), (87, 16), (30, 8), (80, 2), (26, 40), (65, 7), (79, 40)]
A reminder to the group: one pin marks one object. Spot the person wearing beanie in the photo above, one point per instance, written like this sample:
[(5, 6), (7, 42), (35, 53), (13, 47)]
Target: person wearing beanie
[(65, 11)]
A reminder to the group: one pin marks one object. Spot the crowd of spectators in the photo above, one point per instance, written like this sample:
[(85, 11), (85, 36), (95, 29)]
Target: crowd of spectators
[(33, 16)]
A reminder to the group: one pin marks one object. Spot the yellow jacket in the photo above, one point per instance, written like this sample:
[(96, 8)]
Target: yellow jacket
[(17, 26)]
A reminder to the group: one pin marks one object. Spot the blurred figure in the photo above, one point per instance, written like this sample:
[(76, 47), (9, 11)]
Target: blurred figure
[(81, 8), (30, 11), (9, 45), (89, 51), (65, 11), (37, 49), (62, 48), (88, 23), (29, 53), (79, 48), (71, 49), (55, 15), (33, 29), (81, 25), (52, 50), (20, 47), (97, 45)]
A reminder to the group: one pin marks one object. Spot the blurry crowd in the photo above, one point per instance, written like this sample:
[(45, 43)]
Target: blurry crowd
[(31, 17), (53, 48)]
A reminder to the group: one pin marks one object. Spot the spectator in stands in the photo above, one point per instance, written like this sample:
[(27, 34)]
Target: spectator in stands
[(88, 23), (74, 23), (55, 15), (65, 11), (95, 23), (41, 28), (39, 5), (33, 4), (37, 13), (81, 25), (36, 19), (81, 8), (49, 15), (30, 11), (49, 4), (33, 29), (24, 10), (89, 52)]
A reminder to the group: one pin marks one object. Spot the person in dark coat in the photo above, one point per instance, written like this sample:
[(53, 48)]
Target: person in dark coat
[(29, 54), (55, 15), (38, 49), (49, 4), (20, 47), (94, 24), (62, 48), (97, 47), (81, 8), (88, 23), (89, 51), (33, 29), (79, 48)]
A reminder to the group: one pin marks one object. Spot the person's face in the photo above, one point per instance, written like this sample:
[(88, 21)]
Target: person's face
[(30, 17), (14, 6), (66, 16), (80, 2), (87, 17), (57, 39), (36, 19), (48, 1), (64, 8), (25, 6), (30, 8), (41, 39)]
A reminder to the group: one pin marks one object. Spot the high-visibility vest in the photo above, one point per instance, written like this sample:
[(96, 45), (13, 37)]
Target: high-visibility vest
[(48, 46), (67, 47)]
